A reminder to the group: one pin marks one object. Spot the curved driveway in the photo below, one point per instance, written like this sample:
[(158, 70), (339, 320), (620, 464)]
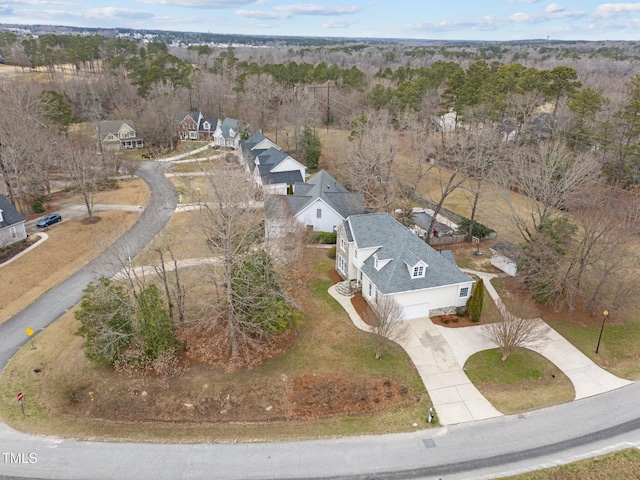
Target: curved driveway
[(483, 449)]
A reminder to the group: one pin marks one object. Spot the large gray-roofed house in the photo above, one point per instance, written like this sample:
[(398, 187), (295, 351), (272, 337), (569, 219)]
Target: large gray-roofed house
[(12, 227), (385, 258)]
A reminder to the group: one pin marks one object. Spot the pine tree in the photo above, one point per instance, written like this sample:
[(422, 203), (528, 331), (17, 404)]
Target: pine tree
[(476, 302)]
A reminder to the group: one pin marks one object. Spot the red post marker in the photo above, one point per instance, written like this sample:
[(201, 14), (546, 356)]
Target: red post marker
[(19, 398)]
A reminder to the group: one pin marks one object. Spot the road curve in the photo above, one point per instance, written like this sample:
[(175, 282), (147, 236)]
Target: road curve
[(483, 449)]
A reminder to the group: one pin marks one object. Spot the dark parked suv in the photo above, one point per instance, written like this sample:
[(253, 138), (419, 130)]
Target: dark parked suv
[(49, 220)]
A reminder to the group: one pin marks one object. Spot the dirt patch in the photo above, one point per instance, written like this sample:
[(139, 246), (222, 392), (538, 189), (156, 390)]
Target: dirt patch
[(363, 308), (318, 396), (305, 397)]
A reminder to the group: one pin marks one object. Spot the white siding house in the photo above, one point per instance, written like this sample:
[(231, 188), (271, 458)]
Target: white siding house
[(320, 204), (385, 258)]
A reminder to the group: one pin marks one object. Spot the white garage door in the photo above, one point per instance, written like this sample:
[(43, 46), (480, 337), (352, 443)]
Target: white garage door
[(416, 311)]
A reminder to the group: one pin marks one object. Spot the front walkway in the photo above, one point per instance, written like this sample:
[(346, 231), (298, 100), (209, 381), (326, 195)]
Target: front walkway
[(454, 397)]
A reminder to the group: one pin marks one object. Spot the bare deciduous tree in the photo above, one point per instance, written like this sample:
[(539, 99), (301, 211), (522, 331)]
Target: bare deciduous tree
[(548, 177), (387, 323), (514, 331)]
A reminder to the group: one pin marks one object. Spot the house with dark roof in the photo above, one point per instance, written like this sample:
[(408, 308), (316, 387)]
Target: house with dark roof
[(386, 259), (194, 126), (118, 134), (12, 228), (254, 146), (320, 205), (227, 134), (276, 172)]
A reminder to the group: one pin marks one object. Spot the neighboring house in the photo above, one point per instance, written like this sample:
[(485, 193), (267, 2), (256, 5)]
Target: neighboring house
[(320, 205), (384, 258), (254, 146), (118, 134), (446, 123), (195, 127), (505, 255), (276, 172), (227, 134), (12, 227)]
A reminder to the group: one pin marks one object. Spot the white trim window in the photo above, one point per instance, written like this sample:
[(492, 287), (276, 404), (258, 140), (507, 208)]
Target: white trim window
[(418, 271), (342, 264), (193, 135), (342, 243), (318, 213), (464, 292), (13, 232)]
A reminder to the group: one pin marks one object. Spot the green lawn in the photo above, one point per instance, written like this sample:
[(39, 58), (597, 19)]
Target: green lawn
[(624, 464), (525, 381)]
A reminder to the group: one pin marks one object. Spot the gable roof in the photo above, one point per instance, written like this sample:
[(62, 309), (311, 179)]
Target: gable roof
[(271, 157), (113, 126), (10, 216), (227, 125), (268, 177), (405, 249), (323, 186), (248, 145)]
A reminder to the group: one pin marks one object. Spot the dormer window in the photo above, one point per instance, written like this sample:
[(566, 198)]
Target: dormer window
[(376, 262), (418, 271)]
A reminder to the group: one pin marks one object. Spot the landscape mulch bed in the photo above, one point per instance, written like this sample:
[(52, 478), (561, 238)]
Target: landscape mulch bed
[(15, 249)]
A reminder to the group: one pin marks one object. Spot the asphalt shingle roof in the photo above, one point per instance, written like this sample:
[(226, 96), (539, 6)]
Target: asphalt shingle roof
[(323, 185), (10, 216), (405, 249)]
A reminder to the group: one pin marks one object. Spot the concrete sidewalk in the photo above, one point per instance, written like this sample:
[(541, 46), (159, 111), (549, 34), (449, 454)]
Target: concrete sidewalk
[(454, 397)]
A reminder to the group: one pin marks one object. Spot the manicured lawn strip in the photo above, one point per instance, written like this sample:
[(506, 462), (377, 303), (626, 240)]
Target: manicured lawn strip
[(614, 466), (618, 352), (525, 381)]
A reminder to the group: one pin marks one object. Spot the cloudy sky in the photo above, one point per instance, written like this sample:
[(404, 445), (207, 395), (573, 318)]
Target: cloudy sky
[(426, 19)]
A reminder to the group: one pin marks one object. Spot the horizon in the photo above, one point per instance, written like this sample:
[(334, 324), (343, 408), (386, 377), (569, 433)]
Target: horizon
[(460, 20)]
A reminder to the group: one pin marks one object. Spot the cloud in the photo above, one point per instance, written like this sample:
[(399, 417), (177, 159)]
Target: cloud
[(117, 13), (6, 10), (200, 3), (288, 11), (338, 23), (524, 1), (554, 8), (607, 10)]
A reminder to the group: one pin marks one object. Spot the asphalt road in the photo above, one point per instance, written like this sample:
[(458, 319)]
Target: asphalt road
[(484, 449)]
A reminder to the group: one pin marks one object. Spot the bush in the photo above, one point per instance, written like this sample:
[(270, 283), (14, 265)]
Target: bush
[(460, 311), (326, 238), (479, 230), (37, 206), (476, 302)]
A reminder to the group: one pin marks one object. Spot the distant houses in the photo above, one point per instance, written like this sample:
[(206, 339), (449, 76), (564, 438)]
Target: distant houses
[(118, 135)]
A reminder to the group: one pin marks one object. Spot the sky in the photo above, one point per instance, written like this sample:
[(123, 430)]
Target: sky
[(418, 19)]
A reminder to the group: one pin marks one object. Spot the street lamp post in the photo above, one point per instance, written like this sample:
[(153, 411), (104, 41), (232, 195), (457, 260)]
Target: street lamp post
[(605, 314)]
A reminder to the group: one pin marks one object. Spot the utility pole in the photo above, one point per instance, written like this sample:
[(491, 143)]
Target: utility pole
[(328, 105)]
